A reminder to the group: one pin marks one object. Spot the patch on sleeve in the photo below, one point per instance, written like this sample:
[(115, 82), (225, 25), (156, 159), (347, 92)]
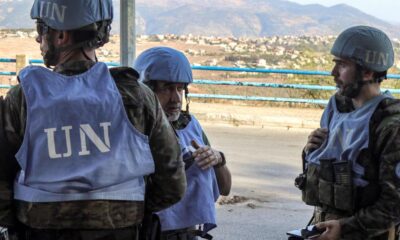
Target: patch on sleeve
[(398, 170)]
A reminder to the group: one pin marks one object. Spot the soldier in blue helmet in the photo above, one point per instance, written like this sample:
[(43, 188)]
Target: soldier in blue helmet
[(168, 73), (83, 146), (352, 163)]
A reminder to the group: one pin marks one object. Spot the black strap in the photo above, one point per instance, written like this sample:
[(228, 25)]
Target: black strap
[(200, 233), (368, 82), (151, 227), (311, 220), (294, 238)]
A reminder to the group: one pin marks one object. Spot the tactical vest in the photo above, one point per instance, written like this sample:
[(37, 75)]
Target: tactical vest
[(79, 143), (334, 177), (198, 204)]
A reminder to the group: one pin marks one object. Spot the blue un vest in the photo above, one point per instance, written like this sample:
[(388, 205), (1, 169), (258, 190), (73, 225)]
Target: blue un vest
[(348, 135), (79, 143), (198, 204)]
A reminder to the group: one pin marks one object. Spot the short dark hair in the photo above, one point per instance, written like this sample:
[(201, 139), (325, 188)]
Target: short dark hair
[(378, 76), (95, 34), (151, 84)]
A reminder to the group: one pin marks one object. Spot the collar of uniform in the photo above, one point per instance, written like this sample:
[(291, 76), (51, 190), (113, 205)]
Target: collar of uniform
[(182, 122), (74, 68)]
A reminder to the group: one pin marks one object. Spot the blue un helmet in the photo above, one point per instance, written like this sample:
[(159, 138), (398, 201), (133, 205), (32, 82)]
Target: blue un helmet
[(367, 46), (64, 15), (370, 49), (163, 64), (71, 14)]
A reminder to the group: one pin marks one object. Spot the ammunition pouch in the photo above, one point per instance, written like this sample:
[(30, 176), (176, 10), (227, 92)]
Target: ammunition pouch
[(311, 189), (329, 185)]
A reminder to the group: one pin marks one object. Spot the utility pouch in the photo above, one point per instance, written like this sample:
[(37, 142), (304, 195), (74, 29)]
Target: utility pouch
[(325, 192), (326, 182), (310, 192), (300, 181), (326, 169), (343, 188)]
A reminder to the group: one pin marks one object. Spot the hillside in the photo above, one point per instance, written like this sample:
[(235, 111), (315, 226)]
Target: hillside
[(254, 18)]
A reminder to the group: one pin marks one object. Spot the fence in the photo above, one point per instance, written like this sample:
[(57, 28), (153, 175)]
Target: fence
[(21, 61)]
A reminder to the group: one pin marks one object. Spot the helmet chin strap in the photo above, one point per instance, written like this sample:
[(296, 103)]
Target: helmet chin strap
[(51, 54), (87, 57), (187, 99)]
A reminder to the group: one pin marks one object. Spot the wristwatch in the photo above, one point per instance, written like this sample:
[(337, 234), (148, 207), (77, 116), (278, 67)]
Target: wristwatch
[(222, 163)]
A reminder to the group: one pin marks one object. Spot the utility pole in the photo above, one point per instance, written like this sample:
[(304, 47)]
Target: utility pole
[(127, 33)]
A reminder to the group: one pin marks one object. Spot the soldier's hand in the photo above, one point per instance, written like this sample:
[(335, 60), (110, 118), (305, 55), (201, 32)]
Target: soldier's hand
[(315, 139), (332, 230), (206, 156)]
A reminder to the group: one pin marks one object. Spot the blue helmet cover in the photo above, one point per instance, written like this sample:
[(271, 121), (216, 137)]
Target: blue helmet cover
[(163, 64), (368, 46), (71, 14)]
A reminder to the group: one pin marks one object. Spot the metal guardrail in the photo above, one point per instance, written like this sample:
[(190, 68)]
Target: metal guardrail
[(7, 60), (277, 85), (255, 98), (261, 70), (3, 73), (279, 71), (2, 86), (240, 83), (39, 61)]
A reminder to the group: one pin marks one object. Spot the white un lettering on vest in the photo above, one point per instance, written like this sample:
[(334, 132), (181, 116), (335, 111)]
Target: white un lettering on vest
[(375, 57), (53, 11), (85, 131)]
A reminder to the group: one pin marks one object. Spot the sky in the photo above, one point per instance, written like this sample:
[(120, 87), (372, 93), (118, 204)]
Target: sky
[(387, 10)]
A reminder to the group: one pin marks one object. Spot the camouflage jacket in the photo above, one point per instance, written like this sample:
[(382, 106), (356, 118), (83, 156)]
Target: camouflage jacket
[(165, 186), (378, 208)]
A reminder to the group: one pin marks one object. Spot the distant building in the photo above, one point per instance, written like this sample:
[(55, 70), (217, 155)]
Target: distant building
[(262, 63)]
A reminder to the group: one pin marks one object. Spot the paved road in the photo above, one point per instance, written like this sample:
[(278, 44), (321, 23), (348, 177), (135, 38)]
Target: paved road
[(263, 162)]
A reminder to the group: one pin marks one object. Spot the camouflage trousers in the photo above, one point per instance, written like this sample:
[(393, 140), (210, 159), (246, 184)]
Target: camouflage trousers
[(151, 230), (131, 233), (320, 216)]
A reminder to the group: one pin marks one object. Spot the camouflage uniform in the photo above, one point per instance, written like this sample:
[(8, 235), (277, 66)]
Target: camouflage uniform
[(164, 187), (377, 206)]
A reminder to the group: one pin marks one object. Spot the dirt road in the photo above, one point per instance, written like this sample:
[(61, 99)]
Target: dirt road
[(264, 203)]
